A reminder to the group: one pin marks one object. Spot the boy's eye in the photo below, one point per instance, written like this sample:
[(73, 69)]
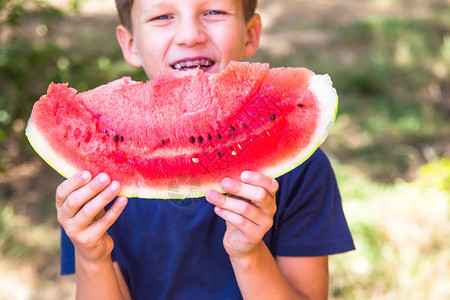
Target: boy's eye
[(215, 12), (162, 17)]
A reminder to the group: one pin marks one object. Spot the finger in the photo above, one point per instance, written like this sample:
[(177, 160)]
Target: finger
[(92, 209), (261, 180), (99, 215), (256, 194), (238, 206), (100, 226), (70, 185), (253, 232), (80, 197)]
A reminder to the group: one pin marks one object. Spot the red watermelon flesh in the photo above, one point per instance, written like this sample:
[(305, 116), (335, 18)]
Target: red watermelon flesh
[(179, 134)]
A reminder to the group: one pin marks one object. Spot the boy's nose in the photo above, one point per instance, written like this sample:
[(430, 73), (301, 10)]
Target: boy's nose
[(190, 33)]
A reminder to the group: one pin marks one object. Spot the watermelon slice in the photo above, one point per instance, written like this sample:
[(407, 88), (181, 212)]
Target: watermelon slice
[(178, 135)]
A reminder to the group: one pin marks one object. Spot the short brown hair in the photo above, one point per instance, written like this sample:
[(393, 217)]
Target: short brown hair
[(124, 10)]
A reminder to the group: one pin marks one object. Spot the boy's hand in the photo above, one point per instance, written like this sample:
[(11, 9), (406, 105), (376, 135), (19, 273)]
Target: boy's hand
[(248, 210), (80, 205)]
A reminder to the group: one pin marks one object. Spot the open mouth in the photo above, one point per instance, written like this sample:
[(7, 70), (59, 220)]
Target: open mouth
[(202, 63)]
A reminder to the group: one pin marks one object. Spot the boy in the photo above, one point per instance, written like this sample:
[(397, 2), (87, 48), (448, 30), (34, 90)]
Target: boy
[(264, 239)]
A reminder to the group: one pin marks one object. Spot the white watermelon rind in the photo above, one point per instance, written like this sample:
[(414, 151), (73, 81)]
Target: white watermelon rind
[(46, 152), (320, 85)]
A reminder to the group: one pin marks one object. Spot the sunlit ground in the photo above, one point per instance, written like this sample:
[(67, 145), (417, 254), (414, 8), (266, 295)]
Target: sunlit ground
[(390, 62)]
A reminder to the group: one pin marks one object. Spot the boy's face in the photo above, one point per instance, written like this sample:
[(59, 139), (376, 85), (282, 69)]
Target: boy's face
[(183, 34)]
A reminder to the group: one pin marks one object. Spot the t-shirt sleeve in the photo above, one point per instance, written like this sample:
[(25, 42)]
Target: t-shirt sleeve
[(310, 220), (67, 255)]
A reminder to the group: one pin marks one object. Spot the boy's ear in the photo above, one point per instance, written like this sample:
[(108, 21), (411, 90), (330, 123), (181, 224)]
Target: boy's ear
[(253, 34), (128, 46)]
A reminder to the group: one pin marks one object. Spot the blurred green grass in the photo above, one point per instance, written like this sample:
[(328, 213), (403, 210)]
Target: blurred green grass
[(401, 232), (390, 145)]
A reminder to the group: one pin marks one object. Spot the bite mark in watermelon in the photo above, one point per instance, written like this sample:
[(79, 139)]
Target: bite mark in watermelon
[(180, 133)]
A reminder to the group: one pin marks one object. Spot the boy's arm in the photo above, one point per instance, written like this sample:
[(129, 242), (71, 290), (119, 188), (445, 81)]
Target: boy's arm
[(80, 203), (308, 274), (96, 280), (248, 210), (122, 283), (261, 277)]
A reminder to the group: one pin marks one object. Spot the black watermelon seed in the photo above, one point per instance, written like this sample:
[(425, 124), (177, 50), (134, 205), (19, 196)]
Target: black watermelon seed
[(300, 105), (243, 125), (232, 128), (162, 142), (220, 155), (210, 137), (192, 139), (121, 138), (200, 139), (105, 131), (272, 117), (116, 138), (219, 136)]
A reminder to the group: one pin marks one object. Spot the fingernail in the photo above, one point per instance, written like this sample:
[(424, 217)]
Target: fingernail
[(245, 175), (85, 175), (210, 195), (115, 186), (227, 183), (275, 184), (120, 202), (103, 178)]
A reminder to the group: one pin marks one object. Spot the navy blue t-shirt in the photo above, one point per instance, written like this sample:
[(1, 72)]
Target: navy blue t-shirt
[(172, 249)]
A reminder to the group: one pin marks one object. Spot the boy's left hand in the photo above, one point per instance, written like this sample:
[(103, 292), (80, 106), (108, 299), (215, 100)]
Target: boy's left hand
[(248, 209)]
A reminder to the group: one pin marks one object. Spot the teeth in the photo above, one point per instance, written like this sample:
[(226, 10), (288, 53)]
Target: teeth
[(193, 64)]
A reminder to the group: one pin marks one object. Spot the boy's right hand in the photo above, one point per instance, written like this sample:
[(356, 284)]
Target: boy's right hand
[(80, 205)]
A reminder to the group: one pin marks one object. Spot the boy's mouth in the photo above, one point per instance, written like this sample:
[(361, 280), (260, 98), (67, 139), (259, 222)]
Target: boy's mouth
[(189, 64)]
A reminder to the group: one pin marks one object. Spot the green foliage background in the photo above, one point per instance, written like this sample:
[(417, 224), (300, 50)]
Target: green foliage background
[(390, 145)]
